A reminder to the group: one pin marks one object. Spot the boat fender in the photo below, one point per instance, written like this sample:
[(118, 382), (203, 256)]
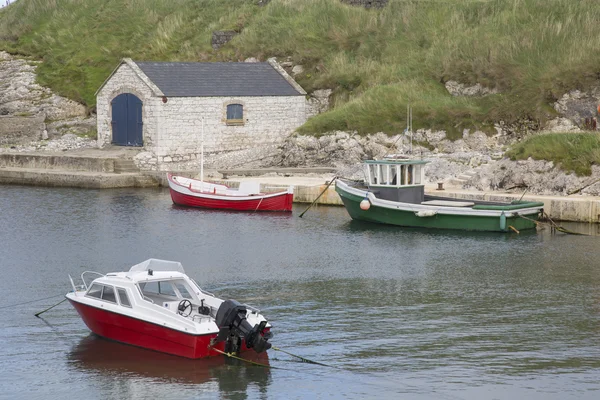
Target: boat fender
[(503, 221), (425, 213), (365, 204)]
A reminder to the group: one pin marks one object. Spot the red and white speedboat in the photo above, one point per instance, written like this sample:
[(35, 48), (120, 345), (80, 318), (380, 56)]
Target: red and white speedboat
[(196, 193), (155, 305)]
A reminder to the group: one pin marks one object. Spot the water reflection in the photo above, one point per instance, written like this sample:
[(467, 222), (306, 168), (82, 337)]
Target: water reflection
[(208, 212), (118, 363), (366, 226)]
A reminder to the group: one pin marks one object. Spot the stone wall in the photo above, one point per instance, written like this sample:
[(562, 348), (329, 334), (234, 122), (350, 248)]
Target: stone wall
[(367, 3), (219, 38), (20, 130), (172, 129)]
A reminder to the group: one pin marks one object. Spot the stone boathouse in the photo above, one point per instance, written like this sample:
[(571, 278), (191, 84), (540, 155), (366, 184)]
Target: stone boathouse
[(163, 108)]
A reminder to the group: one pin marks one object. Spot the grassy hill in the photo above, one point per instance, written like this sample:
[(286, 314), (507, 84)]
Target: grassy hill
[(376, 61)]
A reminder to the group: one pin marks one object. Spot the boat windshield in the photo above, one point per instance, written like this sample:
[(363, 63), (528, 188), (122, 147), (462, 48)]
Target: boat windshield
[(166, 290)]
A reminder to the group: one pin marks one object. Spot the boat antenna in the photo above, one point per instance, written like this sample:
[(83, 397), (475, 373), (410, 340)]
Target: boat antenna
[(202, 155)]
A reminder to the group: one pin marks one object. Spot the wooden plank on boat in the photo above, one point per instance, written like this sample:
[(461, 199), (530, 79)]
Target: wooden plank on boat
[(448, 203)]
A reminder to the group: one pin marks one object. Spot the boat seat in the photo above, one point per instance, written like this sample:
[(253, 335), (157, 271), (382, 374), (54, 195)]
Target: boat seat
[(448, 203), (249, 187)]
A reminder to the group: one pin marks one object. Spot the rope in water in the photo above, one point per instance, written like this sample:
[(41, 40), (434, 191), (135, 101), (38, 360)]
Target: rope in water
[(553, 225), (31, 301), (305, 360), (49, 308), (231, 355), (302, 359)]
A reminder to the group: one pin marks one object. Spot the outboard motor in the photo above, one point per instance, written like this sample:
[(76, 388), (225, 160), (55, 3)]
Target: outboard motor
[(231, 320)]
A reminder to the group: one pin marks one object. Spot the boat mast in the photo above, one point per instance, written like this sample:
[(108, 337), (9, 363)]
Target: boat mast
[(202, 155)]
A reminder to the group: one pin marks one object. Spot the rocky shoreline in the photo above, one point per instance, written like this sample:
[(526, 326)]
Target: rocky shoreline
[(475, 161)]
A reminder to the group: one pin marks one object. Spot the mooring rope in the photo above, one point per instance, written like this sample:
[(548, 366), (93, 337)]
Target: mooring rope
[(304, 360), (553, 225), (320, 194), (231, 355), (49, 308), (259, 203), (31, 301)]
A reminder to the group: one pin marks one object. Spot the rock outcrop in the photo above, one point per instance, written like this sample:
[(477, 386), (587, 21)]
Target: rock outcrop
[(537, 177), (30, 112)]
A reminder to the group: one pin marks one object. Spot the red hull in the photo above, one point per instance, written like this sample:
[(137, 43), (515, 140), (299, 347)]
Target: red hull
[(183, 196), (147, 335)]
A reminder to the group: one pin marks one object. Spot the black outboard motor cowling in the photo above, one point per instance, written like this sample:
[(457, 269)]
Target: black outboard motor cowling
[(231, 320)]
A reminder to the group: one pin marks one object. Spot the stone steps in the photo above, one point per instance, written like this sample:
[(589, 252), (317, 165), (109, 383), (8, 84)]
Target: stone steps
[(466, 177), (124, 166)]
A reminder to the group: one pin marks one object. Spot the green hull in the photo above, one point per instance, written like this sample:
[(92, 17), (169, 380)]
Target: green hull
[(388, 216)]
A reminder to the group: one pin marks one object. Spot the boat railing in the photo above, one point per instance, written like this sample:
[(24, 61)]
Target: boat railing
[(249, 307), (148, 299), (85, 286), (202, 290), (199, 318)]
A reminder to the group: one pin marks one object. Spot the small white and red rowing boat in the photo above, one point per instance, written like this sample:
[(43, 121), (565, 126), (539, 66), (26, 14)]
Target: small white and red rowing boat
[(196, 193), (155, 305)]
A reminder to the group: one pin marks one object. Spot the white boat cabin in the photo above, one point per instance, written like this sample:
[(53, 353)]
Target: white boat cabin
[(394, 173), (156, 291), (400, 180)]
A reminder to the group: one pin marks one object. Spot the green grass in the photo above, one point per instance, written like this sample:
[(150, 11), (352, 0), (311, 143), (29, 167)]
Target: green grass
[(376, 61), (574, 152)]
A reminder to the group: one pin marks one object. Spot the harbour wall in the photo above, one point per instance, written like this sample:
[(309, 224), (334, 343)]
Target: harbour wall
[(309, 184)]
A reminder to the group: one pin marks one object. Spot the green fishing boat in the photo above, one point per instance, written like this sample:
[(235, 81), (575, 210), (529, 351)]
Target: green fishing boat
[(393, 192)]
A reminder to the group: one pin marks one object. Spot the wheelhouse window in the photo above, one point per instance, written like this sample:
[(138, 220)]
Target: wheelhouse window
[(95, 291), (123, 298), (168, 290), (183, 290), (158, 287), (235, 114), (106, 293)]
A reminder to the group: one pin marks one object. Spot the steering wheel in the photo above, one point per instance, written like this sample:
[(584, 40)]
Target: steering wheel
[(182, 308)]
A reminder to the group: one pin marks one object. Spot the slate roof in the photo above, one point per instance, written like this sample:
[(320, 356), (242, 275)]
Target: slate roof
[(196, 79)]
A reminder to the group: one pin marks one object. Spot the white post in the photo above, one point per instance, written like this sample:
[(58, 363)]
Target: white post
[(411, 132), (202, 155)]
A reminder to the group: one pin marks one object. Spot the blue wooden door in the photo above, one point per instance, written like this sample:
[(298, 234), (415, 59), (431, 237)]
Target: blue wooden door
[(127, 120)]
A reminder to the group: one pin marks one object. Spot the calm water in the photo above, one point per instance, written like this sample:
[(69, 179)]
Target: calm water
[(397, 313)]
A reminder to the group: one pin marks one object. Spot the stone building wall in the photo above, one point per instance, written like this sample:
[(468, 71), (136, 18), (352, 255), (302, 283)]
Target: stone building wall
[(172, 129), (267, 120)]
